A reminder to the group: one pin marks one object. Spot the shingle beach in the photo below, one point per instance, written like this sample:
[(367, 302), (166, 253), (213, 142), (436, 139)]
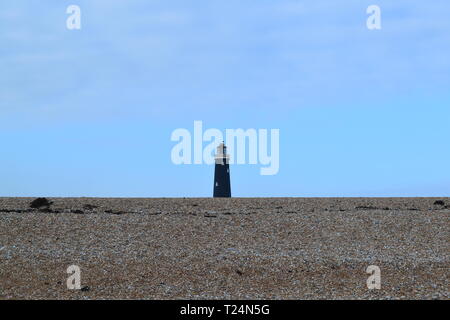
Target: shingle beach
[(238, 248)]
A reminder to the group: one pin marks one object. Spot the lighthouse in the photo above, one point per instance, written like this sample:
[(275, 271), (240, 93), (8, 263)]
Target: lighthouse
[(222, 188)]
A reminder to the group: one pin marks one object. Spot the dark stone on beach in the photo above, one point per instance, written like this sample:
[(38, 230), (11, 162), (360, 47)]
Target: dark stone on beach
[(210, 215), (85, 288), (366, 208), (49, 210), (12, 210), (78, 211), (89, 207), (439, 203), (39, 203)]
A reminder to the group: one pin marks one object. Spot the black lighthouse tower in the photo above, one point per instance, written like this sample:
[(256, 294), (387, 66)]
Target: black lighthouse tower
[(222, 188)]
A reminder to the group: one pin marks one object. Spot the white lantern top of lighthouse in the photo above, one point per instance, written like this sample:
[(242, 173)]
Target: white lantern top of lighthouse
[(221, 149), (222, 152)]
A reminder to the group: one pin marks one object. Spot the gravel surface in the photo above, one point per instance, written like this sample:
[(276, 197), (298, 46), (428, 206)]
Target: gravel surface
[(262, 248)]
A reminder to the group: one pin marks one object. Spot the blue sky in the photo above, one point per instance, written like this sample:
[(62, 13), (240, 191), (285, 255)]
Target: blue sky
[(90, 112)]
